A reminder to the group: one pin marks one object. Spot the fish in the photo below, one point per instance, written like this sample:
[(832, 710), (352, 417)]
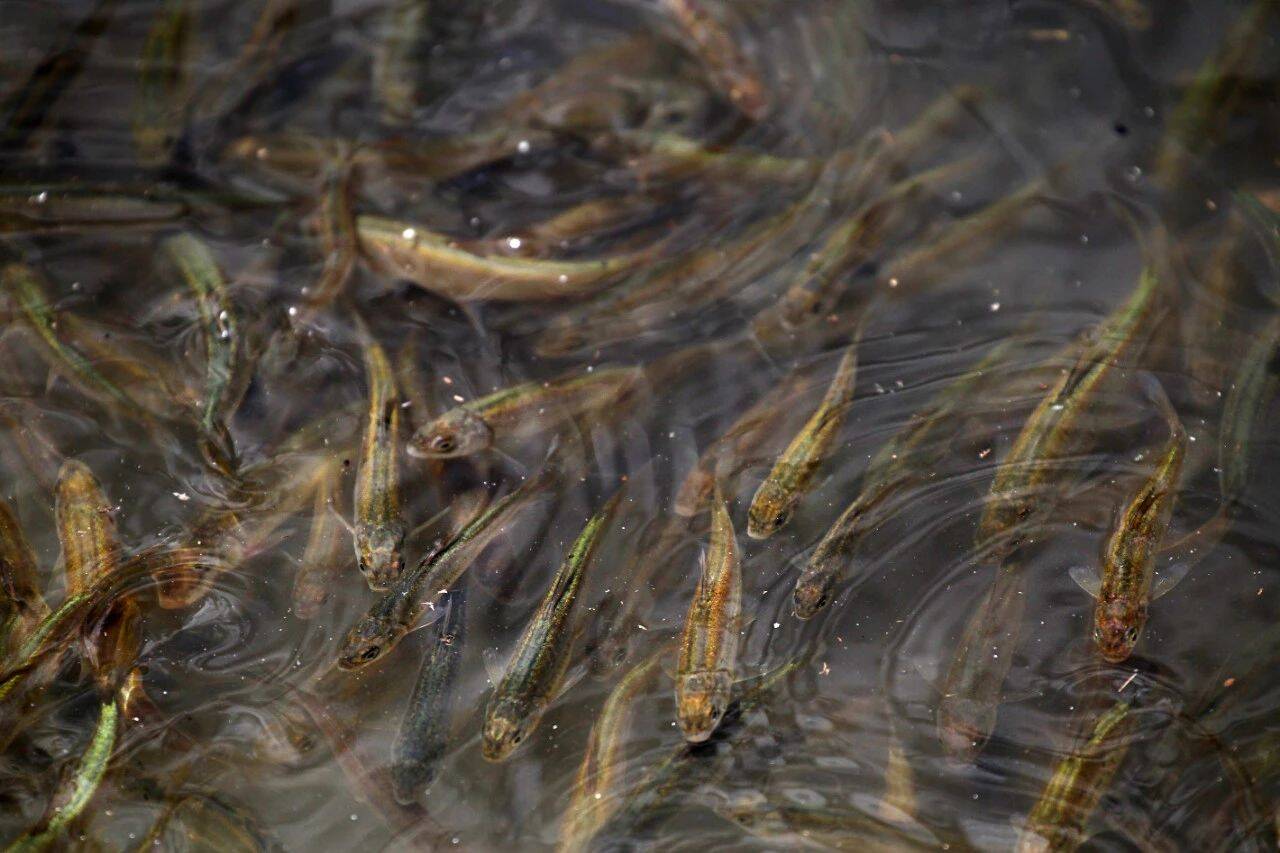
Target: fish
[(790, 825), (322, 558), (777, 497), (740, 445), (23, 606), (51, 208), (220, 334), (440, 265), (336, 224), (1128, 583), (86, 529), (529, 406), (395, 69), (206, 822), (727, 66), (28, 105), (27, 287), (913, 450), (423, 737), (972, 686), (75, 792), (391, 616), (597, 786), (1081, 778), (1252, 389), (162, 82), (535, 673), (709, 641), (380, 527), (1017, 492)]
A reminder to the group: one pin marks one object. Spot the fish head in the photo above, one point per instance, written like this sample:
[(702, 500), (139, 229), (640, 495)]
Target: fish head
[(368, 640), (809, 598), (379, 550), (701, 701), (458, 432), (770, 510), (1116, 627), (507, 722)]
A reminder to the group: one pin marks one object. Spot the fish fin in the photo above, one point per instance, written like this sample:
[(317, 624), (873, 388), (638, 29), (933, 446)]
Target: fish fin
[(1087, 579), (50, 380), (669, 663), (1169, 577), (346, 525), (495, 664), (429, 617)]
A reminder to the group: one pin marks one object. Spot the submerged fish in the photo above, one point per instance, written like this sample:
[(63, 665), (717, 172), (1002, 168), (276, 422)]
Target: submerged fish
[(423, 738), (727, 65), (22, 605), (395, 69), (1128, 582), (74, 793), (86, 529), (598, 784), (1017, 491), (1057, 821), (441, 266), (906, 457), (220, 336), (776, 498), (536, 671), (379, 527), (1253, 388), (162, 81), (323, 557), (391, 616), (520, 409), (709, 642)]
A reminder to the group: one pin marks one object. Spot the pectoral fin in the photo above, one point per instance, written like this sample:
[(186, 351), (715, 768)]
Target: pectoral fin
[(1169, 577), (1087, 579)]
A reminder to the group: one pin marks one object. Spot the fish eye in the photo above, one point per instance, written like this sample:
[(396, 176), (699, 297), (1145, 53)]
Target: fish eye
[(370, 653), (1097, 634), (443, 443), (1131, 634), (781, 518)]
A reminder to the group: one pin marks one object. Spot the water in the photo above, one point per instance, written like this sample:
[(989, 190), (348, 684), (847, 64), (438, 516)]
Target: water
[(251, 722)]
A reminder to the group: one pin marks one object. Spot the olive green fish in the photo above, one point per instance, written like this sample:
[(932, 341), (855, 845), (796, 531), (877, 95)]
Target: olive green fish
[(391, 616), (438, 264), (536, 671), (379, 527), (395, 69), (520, 409), (1058, 819), (162, 81), (1017, 490), (22, 607), (726, 64), (776, 498), (423, 737), (709, 642), (1128, 582), (75, 793), (914, 450), (90, 548), (318, 573), (221, 336), (598, 785)]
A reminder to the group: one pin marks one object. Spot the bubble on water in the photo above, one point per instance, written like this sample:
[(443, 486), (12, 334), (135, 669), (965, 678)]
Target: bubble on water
[(408, 233)]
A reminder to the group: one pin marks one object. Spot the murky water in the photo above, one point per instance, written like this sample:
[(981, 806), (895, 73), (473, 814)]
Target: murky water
[(967, 193)]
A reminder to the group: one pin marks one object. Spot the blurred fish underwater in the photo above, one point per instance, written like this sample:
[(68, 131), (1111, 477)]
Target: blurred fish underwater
[(639, 424)]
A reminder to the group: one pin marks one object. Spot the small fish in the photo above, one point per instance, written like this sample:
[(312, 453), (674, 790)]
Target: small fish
[(1017, 489), (914, 450), (536, 671), (776, 498), (531, 406), (1058, 819), (90, 548), (391, 617), (728, 67), (221, 337), (598, 785), (1128, 582), (206, 822), (74, 793), (1252, 389), (318, 572), (709, 641), (971, 689), (379, 527), (423, 738), (22, 607), (336, 224), (111, 645), (739, 446), (28, 289), (162, 82), (441, 266), (57, 208), (395, 67)]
